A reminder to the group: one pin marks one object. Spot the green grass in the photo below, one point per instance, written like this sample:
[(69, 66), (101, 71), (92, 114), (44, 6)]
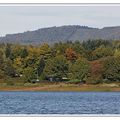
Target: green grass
[(72, 85), (58, 87)]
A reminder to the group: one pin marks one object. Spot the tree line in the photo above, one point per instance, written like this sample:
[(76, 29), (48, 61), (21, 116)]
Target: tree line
[(91, 62)]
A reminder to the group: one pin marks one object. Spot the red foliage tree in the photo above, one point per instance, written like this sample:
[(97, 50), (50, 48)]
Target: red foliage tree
[(96, 69)]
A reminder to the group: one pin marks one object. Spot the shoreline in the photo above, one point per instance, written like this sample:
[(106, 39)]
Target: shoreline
[(64, 88)]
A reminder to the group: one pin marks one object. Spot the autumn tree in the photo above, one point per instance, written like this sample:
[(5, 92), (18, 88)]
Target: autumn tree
[(117, 53), (18, 64), (1, 59), (70, 54), (102, 51), (96, 71), (91, 45), (56, 66), (9, 69), (2, 75), (112, 69), (23, 53), (79, 70), (79, 49), (8, 50), (60, 48), (40, 66), (29, 74)]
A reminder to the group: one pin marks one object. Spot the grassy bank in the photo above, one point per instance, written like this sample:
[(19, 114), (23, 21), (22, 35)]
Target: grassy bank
[(61, 87)]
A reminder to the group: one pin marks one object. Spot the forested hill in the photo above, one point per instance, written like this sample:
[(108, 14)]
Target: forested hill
[(63, 33)]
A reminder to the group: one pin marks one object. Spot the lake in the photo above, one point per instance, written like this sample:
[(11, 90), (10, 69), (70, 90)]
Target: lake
[(60, 103)]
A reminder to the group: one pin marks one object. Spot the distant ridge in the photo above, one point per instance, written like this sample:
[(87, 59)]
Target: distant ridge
[(63, 33)]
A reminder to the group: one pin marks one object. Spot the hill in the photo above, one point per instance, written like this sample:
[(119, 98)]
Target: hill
[(63, 33)]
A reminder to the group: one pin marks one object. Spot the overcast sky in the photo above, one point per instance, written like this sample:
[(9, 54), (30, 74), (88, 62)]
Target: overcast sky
[(23, 18)]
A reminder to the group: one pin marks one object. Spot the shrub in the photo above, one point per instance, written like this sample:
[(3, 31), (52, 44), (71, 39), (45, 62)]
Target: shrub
[(74, 81), (92, 80), (10, 82)]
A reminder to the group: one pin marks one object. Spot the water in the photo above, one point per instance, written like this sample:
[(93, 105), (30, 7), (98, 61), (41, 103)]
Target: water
[(59, 103)]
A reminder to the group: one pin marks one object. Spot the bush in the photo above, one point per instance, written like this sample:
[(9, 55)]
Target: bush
[(92, 80), (42, 77), (10, 82), (109, 81), (75, 81), (2, 75)]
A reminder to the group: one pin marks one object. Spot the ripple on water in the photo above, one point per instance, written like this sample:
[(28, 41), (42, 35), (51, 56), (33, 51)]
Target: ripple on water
[(59, 103)]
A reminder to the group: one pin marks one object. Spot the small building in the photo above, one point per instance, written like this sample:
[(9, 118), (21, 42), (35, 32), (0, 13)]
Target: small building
[(35, 81), (65, 79), (53, 78)]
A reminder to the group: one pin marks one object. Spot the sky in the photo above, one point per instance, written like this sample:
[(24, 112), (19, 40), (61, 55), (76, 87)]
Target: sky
[(17, 19)]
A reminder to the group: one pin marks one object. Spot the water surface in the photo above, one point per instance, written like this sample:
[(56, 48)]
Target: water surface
[(59, 102)]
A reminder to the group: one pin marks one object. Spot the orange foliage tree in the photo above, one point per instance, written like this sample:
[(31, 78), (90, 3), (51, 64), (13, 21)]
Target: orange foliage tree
[(70, 54), (96, 71)]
